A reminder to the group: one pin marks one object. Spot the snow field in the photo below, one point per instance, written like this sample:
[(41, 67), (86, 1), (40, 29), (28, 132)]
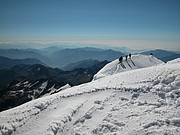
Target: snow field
[(141, 101)]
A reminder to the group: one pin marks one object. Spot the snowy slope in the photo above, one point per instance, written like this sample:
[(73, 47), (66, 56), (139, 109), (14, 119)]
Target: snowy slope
[(136, 62), (141, 101), (60, 89)]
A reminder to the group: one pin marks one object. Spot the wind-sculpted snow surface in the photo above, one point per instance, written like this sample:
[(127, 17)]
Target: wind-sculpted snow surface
[(136, 62), (135, 102)]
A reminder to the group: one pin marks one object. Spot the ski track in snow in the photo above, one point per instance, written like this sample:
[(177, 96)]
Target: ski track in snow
[(142, 101)]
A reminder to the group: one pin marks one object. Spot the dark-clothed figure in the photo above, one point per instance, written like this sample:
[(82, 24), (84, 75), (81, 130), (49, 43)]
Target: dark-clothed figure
[(126, 57), (120, 59), (130, 56)]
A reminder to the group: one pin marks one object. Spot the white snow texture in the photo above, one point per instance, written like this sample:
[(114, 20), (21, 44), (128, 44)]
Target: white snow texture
[(133, 102)]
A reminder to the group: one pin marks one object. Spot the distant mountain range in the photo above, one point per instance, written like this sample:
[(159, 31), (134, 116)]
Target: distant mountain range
[(85, 64), (25, 53), (163, 54), (8, 62), (67, 56), (34, 69), (58, 57)]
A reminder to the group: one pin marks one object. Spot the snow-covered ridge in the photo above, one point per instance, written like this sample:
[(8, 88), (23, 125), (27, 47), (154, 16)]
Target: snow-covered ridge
[(141, 101), (136, 62), (60, 89), (174, 61)]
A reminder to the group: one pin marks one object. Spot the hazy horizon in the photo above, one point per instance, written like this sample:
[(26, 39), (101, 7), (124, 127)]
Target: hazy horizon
[(136, 24)]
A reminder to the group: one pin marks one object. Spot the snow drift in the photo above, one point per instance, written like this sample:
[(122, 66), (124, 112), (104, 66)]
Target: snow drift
[(141, 101), (136, 62)]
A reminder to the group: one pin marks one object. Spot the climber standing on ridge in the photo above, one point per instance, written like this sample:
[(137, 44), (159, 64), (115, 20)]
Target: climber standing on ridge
[(126, 57), (131, 60), (121, 62), (120, 59), (151, 55)]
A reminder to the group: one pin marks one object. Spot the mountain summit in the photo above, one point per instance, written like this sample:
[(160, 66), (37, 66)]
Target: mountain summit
[(139, 101), (135, 62)]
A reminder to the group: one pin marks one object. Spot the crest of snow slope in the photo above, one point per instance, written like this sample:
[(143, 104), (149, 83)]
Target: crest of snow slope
[(54, 90), (142, 101), (136, 62)]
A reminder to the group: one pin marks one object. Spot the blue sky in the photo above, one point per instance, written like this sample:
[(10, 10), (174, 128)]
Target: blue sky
[(131, 23)]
